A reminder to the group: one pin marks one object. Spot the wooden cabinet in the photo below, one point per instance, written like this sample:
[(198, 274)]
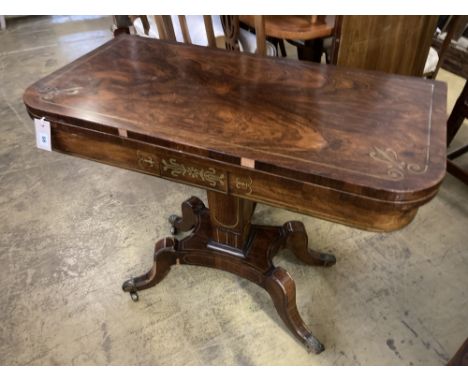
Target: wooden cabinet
[(392, 44)]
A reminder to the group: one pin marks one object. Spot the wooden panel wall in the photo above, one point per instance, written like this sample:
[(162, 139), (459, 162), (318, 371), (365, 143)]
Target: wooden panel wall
[(393, 44)]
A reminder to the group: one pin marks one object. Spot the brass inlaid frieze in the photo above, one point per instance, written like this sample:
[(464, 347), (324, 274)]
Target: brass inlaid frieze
[(244, 184), (147, 161), (50, 93), (209, 176), (396, 169)]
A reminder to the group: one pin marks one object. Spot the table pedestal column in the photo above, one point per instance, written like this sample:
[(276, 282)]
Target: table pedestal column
[(223, 237)]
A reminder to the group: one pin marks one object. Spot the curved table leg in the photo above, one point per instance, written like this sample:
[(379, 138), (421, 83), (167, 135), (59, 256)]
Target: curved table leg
[(296, 240), (190, 211), (282, 290), (164, 257)]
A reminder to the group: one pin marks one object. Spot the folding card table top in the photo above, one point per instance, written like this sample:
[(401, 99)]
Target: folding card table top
[(360, 148)]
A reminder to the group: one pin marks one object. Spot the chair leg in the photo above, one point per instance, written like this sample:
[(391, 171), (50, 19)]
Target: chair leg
[(458, 115), (282, 48), (311, 50)]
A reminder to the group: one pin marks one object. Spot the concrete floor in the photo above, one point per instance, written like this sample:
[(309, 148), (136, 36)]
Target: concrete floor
[(73, 230)]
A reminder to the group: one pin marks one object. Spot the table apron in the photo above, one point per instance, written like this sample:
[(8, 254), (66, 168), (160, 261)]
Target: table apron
[(204, 172)]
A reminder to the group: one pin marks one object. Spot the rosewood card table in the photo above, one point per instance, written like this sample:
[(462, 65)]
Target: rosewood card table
[(360, 148)]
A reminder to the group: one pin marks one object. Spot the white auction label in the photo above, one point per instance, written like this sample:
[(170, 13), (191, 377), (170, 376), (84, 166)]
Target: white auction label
[(43, 139)]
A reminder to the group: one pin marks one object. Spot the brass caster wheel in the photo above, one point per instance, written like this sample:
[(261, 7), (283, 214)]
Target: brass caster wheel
[(129, 286)]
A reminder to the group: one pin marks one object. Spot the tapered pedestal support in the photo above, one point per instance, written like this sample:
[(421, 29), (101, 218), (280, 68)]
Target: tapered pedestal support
[(223, 238)]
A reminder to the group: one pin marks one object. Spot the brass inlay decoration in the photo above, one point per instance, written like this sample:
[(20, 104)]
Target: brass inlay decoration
[(213, 216), (396, 169), (51, 93), (246, 162), (206, 175), (244, 184), (146, 160), (123, 133)]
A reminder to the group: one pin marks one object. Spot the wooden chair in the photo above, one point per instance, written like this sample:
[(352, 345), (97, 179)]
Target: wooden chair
[(305, 32), (186, 29), (165, 28), (453, 28), (456, 119), (451, 57)]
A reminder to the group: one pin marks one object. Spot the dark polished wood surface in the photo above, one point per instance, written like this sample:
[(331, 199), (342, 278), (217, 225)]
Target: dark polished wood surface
[(363, 149), (362, 132)]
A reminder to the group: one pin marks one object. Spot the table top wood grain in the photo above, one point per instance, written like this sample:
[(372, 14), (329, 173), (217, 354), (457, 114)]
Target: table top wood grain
[(366, 133)]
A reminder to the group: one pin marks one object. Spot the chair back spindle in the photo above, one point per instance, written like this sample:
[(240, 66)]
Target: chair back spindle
[(184, 29), (209, 31), (261, 36)]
